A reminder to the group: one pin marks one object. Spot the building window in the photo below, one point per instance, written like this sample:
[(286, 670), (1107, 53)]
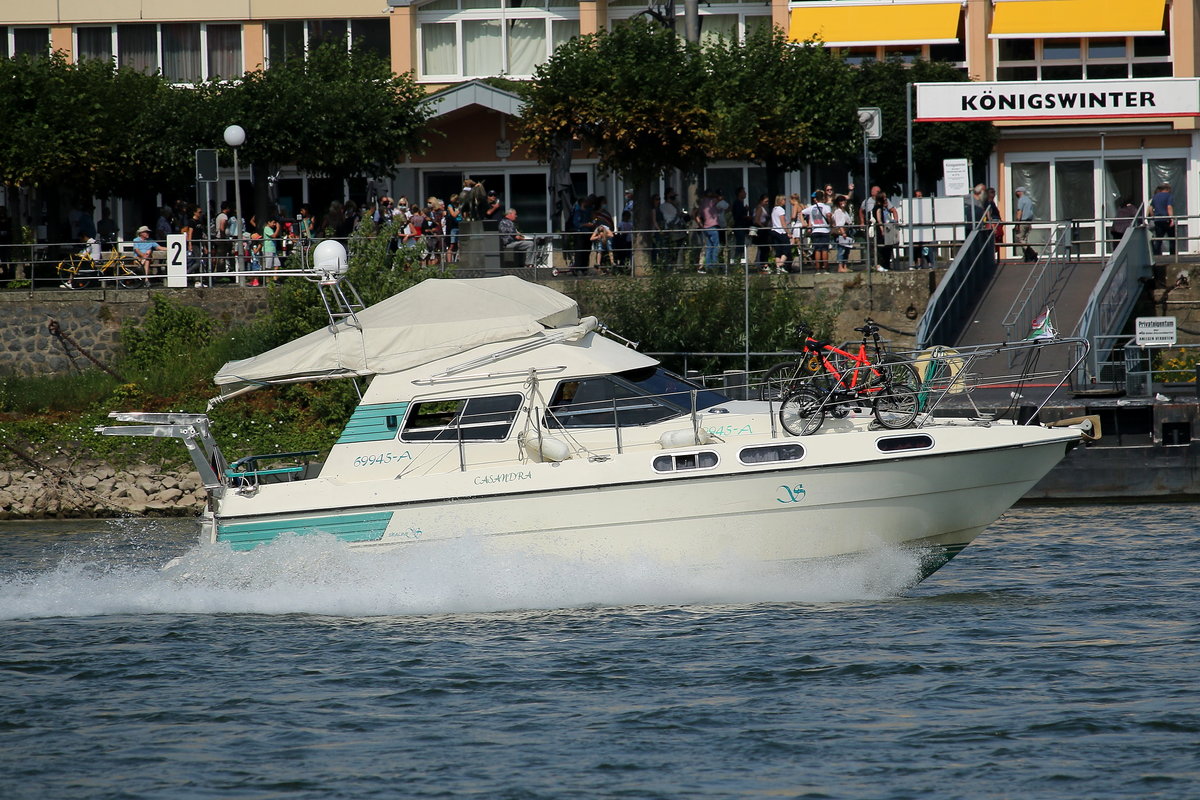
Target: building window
[(181, 53), (224, 47), (94, 43), (1101, 58), (30, 41), (137, 47), (439, 49), (373, 36), (727, 19), (284, 40), (477, 41), (290, 38)]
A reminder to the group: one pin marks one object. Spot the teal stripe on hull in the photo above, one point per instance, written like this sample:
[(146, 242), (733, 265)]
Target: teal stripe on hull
[(369, 423), (346, 527)]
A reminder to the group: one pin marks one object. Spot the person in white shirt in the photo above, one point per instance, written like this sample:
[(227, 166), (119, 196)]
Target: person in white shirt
[(817, 219), (779, 233), (841, 229)]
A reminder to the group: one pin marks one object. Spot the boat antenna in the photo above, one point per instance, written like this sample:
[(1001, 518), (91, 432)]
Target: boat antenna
[(329, 268)]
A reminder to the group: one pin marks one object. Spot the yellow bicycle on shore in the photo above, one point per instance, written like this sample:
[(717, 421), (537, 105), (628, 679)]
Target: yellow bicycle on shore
[(79, 270)]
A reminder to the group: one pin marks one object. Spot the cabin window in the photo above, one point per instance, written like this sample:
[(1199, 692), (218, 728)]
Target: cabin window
[(474, 419), (681, 462), (636, 397), (766, 454), (893, 444)]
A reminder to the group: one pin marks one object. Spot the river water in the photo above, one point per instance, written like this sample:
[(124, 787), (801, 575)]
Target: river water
[(1055, 658)]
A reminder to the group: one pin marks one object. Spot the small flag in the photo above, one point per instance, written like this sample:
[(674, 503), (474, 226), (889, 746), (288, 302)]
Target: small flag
[(1042, 328)]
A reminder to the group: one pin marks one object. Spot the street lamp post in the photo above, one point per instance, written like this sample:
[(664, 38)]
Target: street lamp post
[(235, 137)]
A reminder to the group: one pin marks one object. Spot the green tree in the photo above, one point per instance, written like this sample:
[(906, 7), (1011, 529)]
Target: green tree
[(335, 113), (780, 104), (93, 127), (632, 97), (884, 84)]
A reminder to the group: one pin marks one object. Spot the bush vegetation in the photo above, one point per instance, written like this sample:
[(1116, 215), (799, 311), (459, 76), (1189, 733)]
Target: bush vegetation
[(171, 355)]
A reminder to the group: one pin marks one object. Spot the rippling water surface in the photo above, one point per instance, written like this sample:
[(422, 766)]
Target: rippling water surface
[(1056, 658)]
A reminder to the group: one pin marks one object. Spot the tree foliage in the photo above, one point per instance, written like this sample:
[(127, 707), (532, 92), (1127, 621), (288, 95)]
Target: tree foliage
[(778, 103), (91, 126), (884, 84), (334, 112), (631, 95)]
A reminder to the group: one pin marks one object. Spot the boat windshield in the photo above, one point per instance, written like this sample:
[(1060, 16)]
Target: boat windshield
[(636, 397)]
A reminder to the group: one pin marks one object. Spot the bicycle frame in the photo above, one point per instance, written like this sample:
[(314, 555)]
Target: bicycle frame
[(858, 362)]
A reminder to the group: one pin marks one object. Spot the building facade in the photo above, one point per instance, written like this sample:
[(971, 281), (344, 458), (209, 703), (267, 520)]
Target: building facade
[(1077, 169)]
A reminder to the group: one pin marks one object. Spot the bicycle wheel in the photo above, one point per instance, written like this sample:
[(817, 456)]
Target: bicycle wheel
[(777, 382), (892, 370), (802, 411), (127, 278), (896, 406), (68, 269)]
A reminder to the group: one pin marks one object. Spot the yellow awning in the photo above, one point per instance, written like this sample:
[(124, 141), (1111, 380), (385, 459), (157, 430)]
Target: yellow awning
[(850, 24), (1057, 19)]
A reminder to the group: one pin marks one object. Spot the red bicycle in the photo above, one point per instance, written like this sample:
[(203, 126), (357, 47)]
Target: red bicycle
[(828, 379)]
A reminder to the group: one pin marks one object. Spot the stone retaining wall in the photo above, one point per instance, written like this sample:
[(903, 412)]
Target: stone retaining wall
[(92, 318)]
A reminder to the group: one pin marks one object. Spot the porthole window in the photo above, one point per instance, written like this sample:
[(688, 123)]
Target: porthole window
[(770, 453), (683, 462), (893, 444)]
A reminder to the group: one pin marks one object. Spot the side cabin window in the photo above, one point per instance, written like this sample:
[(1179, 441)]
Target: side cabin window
[(636, 397), (474, 419)]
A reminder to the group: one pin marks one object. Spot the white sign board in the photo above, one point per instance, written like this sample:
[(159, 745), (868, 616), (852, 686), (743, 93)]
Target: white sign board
[(871, 120), (177, 261), (1155, 331), (1039, 100), (956, 173)]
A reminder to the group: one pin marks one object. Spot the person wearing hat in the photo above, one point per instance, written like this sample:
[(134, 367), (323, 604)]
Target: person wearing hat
[(1022, 218), (144, 248)]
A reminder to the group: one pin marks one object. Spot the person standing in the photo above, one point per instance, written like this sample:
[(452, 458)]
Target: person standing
[(816, 219), (1162, 210), (841, 229), (779, 234), (1023, 217), (7, 239), (883, 215), (709, 222), (742, 221)]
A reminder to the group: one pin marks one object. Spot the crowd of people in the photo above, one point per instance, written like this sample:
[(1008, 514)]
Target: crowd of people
[(774, 234)]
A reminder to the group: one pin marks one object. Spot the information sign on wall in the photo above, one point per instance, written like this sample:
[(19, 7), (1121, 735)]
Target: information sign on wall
[(1155, 332)]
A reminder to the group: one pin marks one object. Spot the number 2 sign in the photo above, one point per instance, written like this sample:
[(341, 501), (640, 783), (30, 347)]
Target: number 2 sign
[(177, 261)]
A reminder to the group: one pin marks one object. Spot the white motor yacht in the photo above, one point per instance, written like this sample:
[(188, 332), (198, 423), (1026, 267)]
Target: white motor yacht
[(494, 410)]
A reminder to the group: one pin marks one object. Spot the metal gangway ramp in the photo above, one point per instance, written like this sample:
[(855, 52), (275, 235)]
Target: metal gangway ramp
[(981, 300)]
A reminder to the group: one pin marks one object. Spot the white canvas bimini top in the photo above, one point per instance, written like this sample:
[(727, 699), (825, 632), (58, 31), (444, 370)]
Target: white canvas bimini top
[(435, 319)]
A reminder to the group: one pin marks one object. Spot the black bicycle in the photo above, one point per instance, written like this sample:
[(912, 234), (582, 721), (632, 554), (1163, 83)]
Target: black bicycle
[(827, 367), (830, 380)]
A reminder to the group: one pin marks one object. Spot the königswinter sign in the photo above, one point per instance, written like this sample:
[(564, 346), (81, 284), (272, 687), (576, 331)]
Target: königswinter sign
[(1037, 100)]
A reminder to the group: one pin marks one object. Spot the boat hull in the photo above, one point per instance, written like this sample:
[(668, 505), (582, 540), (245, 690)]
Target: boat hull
[(935, 500)]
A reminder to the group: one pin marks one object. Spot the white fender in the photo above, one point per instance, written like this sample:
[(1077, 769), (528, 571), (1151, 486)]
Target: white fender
[(543, 448), (684, 438)]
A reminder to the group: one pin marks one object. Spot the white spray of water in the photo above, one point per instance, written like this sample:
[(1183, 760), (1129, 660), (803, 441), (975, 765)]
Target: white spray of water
[(320, 575)]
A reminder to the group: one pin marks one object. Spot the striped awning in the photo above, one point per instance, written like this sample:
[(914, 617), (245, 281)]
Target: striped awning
[(852, 24), (1057, 19)]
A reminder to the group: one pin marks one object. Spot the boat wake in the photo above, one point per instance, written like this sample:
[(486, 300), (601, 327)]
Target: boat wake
[(321, 575)]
